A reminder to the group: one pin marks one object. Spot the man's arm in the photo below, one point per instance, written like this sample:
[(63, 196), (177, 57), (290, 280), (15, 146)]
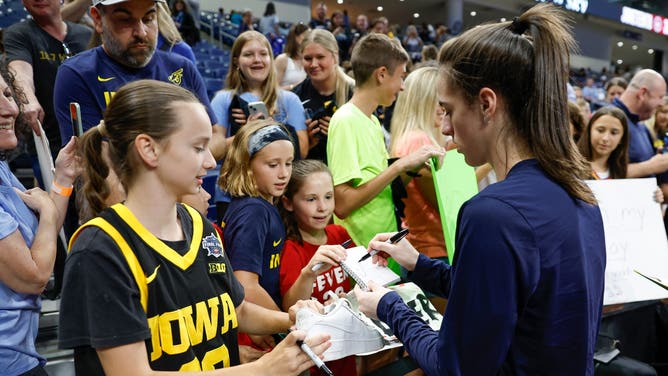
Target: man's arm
[(24, 79), (655, 165), (219, 143), (74, 10)]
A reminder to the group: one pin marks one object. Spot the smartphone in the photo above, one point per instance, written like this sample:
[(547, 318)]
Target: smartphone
[(75, 116), (258, 108)]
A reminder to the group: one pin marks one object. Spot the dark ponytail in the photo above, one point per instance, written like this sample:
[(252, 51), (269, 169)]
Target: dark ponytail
[(527, 61)]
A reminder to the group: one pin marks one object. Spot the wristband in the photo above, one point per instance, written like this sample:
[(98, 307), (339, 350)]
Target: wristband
[(60, 190)]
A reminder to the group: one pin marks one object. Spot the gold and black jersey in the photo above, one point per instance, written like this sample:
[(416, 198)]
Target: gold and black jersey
[(186, 289)]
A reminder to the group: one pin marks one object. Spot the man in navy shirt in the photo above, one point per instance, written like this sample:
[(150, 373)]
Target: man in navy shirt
[(643, 95), (128, 52)]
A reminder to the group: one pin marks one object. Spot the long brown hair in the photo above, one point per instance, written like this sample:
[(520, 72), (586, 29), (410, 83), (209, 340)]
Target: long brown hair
[(618, 161), (527, 62), (140, 107), (291, 46)]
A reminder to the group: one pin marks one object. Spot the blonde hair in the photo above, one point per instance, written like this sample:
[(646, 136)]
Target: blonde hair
[(236, 176), (236, 82), (166, 25), (415, 107), (326, 40)]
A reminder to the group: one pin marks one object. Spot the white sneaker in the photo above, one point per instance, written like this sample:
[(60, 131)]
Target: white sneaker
[(350, 333)]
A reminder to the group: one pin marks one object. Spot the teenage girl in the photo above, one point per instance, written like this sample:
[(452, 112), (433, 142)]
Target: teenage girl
[(147, 283), (605, 144), (307, 207), (289, 69), (417, 121), (255, 173), (251, 78)]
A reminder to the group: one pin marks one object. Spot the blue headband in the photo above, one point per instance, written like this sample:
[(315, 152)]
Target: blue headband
[(265, 136)]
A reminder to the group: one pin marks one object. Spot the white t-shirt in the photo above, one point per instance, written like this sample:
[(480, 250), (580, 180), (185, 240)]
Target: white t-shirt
[(267, 24)]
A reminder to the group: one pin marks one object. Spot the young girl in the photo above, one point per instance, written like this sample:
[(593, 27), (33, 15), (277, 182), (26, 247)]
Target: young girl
[(307, 208), (289, 68), (605, 143), (256, 172), (147, 284), (252, 77), (417, 121)]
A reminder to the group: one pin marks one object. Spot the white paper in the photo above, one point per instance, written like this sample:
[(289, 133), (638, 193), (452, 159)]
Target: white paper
[(635, 239)]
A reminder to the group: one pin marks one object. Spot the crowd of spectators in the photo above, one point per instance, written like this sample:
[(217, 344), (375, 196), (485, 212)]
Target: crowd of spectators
[(314, 77)]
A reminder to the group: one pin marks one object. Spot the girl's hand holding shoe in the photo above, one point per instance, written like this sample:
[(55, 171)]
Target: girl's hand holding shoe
[(311, 304)]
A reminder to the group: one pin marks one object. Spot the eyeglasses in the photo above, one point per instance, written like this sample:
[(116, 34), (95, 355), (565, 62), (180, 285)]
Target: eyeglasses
[(66, 49)]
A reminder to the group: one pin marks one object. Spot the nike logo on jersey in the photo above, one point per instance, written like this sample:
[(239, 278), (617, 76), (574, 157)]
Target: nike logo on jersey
[(105, 79), (150, 278), (277, 242)]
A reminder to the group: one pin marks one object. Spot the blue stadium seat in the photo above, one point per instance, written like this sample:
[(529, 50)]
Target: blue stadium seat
[(213, 85)]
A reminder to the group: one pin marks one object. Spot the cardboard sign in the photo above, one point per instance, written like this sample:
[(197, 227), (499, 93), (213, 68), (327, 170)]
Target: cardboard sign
[(635, 239)]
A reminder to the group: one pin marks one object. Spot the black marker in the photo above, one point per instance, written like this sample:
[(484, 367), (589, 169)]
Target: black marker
[(393, 240), (316, 359)]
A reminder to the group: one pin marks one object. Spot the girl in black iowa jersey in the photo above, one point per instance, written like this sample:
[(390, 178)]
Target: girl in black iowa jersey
[(147, 284)]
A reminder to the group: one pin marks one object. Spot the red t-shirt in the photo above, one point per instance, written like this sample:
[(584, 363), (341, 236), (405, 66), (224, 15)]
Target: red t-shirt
[(294, 258)]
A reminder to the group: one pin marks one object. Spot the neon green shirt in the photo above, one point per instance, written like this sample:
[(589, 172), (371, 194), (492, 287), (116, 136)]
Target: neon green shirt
[(356, 153)]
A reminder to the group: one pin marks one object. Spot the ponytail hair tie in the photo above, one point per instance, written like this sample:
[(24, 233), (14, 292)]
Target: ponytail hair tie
[(101, 128), (103, 131), (518, 27)]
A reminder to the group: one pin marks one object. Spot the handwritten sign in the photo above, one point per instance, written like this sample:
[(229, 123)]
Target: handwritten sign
[(635, 238)]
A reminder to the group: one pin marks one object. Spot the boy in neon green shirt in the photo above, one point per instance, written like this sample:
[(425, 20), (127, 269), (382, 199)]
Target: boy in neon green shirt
[(355, 145)]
